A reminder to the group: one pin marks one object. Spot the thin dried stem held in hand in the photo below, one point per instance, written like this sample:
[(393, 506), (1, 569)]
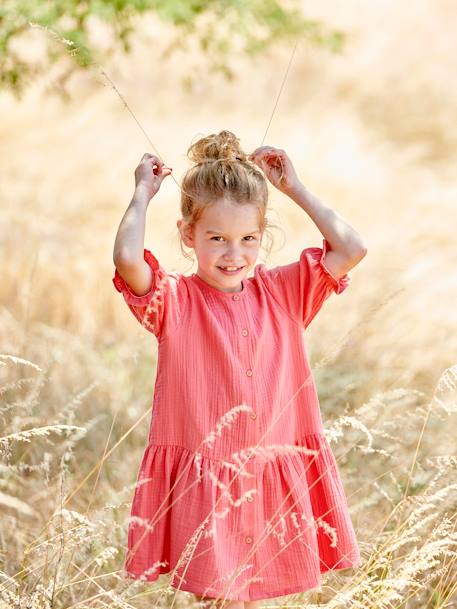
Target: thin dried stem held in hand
[(74, 49), (277, 166), (150, 174)]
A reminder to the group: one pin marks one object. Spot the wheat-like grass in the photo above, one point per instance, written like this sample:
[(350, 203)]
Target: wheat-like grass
[(423, 529), (65, 492)]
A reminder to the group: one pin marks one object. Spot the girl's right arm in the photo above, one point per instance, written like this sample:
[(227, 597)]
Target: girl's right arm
[(128, 253)]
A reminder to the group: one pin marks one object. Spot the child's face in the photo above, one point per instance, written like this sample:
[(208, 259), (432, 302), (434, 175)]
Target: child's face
[(235, 242)]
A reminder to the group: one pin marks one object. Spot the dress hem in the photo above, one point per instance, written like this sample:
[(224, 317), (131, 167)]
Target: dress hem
[(195, 589)]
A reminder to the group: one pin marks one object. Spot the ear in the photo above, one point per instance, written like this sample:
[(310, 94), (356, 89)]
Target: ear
[(186, 233)]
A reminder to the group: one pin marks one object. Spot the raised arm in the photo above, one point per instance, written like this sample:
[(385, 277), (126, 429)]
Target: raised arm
[(347, 247), (128, 253), (129, 244)]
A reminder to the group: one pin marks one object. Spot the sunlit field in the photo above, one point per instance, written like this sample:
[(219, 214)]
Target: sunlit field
[(373, 133)]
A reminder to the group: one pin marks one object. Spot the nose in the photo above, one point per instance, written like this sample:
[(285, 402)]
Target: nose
[(231, 254)]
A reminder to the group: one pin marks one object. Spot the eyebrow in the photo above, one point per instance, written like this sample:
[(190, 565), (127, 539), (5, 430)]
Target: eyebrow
[(217, 232)]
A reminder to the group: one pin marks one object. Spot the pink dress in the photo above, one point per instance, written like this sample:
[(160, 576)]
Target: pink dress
[(238, 493)]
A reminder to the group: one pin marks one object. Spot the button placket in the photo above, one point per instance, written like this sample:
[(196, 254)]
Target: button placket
[(244, 332), (249, 517)]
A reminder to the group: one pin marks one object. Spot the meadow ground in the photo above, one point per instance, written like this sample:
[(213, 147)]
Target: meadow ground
[(373, 133)]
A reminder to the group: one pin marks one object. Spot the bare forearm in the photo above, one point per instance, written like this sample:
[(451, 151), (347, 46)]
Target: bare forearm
[(333, 226), (129, 242)]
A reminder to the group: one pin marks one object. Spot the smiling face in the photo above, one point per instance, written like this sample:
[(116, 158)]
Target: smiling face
[(226, 235)]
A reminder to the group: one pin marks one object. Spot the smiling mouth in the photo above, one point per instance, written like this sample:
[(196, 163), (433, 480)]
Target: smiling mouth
[(230, 270)]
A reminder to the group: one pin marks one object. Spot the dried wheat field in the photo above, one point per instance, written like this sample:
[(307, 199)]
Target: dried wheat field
[(373, 133)]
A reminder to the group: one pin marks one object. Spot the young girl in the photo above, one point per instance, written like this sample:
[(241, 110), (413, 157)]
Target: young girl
[(238, 495)]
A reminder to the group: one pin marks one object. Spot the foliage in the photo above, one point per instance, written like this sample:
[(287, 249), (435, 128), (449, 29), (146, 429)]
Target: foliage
[(220, 28)]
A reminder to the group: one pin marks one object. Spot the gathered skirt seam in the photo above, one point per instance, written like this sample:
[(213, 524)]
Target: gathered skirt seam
[(221, 460)]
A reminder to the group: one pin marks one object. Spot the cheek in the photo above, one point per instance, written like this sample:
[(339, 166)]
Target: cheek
[(209, 251), (254, 248), (212, 249)]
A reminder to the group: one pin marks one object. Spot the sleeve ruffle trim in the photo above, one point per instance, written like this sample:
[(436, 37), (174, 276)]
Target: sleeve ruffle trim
[(339, 285), (124, 288)]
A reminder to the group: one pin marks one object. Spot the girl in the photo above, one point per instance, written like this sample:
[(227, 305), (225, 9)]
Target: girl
[(238, 495)]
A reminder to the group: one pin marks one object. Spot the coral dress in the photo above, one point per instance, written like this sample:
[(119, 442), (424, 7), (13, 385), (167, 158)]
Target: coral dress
[(238, 493)]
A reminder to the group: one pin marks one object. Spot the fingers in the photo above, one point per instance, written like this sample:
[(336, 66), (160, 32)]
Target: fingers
[(152, 157), (149, 155), (266, 152), (269, 159), (157, 164), (263, 149)]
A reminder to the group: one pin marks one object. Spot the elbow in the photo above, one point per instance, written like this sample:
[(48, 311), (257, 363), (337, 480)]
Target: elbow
[(355, 255), (118, 260), (118, 255), (121, 257), (359, 251)]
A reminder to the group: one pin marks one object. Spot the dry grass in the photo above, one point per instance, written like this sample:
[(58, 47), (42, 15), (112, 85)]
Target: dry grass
[(373, 134)]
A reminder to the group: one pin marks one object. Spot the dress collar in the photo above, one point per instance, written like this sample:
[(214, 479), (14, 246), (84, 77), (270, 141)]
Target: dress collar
[(220, 293)]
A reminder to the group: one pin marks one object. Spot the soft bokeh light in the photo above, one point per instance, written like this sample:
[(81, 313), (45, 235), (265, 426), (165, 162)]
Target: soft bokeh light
[(372, 132)]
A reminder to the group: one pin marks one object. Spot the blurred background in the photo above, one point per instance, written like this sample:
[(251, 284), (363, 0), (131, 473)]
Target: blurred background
[(368, 115)]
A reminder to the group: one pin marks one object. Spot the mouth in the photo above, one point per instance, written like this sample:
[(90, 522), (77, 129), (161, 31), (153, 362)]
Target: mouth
[(229, 270)]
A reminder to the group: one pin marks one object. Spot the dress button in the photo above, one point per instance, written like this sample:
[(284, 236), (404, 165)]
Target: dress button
[(248, 539), (249, 498), (249, 372), (253, 415), (236, 296), (244, 332)]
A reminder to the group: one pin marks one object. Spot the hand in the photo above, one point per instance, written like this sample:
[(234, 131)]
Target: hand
[(150, 173), (277, 166)]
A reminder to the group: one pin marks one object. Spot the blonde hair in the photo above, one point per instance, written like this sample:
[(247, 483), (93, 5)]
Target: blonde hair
[(222, 170)]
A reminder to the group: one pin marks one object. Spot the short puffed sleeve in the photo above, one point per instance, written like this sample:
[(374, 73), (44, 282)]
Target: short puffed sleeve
[(301, 287), (159, 311)]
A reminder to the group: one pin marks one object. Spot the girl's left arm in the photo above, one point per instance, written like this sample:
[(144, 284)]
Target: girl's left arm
[(347, 246)]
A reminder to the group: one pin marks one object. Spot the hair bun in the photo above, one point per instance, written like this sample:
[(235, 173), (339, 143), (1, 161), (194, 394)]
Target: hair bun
[(222, 146)]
